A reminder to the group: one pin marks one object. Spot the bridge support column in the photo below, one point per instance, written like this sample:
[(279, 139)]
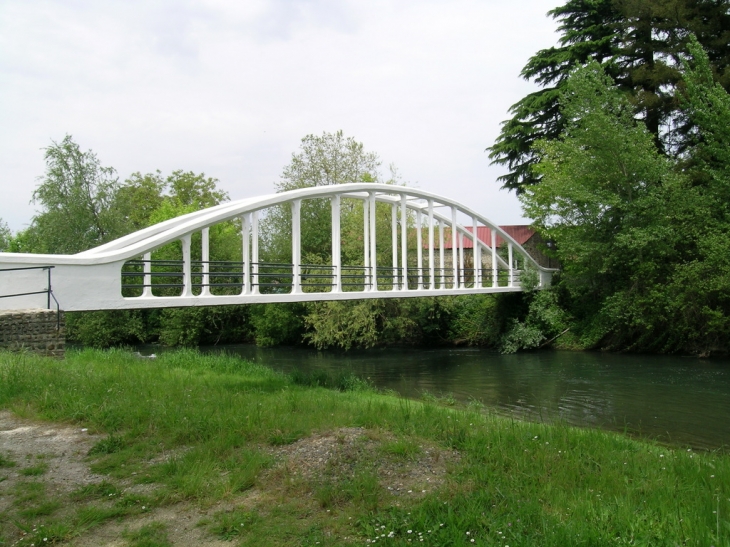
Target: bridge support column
[(147, 289), (477, 254), (404, 241), (454, 250), (419, 248), (431, 277), (255, 252), (336, 243), (373, 244), (394, 235), (511, 266), (462, 270), (442, 263), (366, 243), (296, 246), (495, 281), (246, 254), (205, 290), (187, 266)]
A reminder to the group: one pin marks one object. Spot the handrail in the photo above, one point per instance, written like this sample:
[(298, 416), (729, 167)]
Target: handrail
[(48, 290)]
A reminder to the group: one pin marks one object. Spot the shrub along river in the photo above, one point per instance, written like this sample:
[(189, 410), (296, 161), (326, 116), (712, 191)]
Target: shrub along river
[(683, 401)]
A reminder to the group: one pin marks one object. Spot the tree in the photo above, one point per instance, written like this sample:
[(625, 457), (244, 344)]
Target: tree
[(610, 200), (700, 314), (77, 195), (150, 198), (5, 236), (323, 160), (639, 43)]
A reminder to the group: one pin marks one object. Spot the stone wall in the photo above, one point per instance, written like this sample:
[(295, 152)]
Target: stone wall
[(35, 330)]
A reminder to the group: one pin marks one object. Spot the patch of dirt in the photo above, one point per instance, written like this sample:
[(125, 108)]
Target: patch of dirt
[(64, 450), (30, 443), (337, 454), (181, 523)]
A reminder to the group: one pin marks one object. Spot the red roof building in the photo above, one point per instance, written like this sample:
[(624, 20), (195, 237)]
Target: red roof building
[(520, 233)]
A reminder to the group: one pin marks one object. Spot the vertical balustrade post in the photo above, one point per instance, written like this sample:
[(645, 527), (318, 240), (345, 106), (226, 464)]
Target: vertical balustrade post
[(246, 254), (442, 263), (336, 243), (255, 252), (394, 235), (511, 266), (296, 246), (373, 244), (454, 250), (147, 265), (404, 241), (366, 243), (495, 280), (187, 268), (462, 275), (419, 247), (431, 276), (205, 289), (477, 255)]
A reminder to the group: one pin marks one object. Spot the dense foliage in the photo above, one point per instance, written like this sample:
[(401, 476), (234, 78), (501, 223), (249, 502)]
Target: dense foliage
[(642, 238), (640, 44), (4, 236)]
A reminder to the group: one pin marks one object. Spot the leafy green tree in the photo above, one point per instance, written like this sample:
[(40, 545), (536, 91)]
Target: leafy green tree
[(323, 160), (700, 312), (639, 43), (5, 236), (605, 198), (77, 195), (707, 104), (641, 237)]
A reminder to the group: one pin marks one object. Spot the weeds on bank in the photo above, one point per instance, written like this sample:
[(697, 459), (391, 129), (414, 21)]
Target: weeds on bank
[(202, 429), (150, 535)]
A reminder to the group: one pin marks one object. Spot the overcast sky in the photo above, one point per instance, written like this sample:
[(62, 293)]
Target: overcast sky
[(229, 88)]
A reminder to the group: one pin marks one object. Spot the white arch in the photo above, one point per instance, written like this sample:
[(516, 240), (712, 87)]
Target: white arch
[(92, 279)]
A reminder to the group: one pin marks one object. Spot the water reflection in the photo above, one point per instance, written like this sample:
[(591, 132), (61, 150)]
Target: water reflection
[(684, 401)]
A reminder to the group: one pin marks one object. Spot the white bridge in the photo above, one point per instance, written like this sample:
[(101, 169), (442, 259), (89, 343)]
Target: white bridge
[(125, 273)]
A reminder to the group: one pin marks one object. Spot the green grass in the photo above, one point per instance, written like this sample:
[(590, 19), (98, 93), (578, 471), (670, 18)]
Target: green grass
[(35, 470), (5, 461), (201, 429), (228, 525), (150, 535)]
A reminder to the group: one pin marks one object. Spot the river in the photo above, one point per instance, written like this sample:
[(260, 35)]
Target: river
[(683, 401)]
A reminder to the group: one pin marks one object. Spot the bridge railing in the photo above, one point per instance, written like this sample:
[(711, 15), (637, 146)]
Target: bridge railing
[(48, 290), (166, 278)]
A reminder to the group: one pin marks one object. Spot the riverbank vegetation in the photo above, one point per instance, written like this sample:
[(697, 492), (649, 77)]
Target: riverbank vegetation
[(255, 457)]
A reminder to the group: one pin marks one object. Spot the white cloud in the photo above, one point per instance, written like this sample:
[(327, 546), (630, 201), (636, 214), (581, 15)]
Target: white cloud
[(229, 88)]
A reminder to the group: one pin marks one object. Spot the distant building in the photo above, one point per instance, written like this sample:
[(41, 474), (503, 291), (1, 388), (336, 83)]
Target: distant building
[(530, 240)]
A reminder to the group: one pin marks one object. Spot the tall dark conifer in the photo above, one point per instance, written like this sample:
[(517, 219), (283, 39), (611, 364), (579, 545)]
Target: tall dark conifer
[(639, 42)]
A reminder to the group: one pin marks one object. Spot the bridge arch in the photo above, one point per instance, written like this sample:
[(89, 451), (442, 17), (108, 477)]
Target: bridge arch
[(95, 279)]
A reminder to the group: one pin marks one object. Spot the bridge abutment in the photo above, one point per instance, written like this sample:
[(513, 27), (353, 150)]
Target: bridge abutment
[(36, 330)]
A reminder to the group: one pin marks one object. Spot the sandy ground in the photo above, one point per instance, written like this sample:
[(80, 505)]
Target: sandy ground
[(64, 450)]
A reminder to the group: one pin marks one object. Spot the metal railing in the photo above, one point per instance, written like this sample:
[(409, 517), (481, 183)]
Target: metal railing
[(270, 277), (48, 291)]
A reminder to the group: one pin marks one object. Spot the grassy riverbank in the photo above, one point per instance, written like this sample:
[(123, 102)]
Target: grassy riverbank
[(230, 439)]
